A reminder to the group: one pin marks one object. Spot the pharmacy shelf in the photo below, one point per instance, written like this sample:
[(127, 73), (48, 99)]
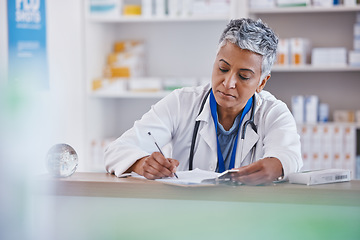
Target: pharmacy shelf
[(308, 9), (311, 68), (140, 19), (130, 95)]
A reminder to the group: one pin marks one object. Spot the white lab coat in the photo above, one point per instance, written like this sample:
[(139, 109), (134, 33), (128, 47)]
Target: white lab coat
[(172, 120)]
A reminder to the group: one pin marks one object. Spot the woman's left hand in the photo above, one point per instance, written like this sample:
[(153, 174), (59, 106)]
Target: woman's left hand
[(264, 171)]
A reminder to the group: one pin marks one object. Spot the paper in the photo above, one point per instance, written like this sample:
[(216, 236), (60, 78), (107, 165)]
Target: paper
[(194, 177)]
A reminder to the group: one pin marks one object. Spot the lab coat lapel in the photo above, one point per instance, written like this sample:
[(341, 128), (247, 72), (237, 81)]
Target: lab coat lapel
[(251, 138), (207, 127)]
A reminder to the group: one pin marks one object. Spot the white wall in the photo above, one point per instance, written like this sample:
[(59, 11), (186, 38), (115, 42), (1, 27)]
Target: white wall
[(3, 41), (55, 115), (67, 88), (31, 121)]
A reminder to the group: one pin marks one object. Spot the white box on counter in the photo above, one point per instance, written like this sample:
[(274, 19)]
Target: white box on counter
[(320, 176)]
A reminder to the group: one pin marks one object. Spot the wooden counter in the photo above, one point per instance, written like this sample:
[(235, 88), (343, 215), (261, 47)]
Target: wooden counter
[(107, 185)]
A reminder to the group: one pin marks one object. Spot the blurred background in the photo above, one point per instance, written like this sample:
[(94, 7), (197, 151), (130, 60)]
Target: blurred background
[(82, 71)]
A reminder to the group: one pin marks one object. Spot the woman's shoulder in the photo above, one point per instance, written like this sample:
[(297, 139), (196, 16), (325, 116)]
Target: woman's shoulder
[(186, 94), (195, 90), (269, 103), (267, 98)]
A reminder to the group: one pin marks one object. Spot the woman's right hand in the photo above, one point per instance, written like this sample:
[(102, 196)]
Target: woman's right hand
[(155, 166)]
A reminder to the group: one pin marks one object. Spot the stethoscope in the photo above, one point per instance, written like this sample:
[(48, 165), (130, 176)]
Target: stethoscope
[(242, 136)]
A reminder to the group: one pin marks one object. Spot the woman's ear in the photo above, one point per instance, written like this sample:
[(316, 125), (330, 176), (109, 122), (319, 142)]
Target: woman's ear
[(262, 84)]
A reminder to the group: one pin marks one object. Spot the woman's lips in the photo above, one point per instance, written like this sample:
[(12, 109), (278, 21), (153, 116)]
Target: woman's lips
[(226, 94)]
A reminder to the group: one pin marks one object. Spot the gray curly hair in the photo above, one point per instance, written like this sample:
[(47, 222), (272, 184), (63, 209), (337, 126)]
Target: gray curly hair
[(254, 36)]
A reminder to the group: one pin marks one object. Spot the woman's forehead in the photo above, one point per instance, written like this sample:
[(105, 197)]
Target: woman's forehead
[(238, 57)]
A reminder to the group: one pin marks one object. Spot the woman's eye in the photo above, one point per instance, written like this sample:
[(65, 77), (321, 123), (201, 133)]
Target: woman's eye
[(244, 78), (223, 70)]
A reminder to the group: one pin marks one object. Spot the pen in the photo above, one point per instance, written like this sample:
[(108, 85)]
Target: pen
[(159, 149)]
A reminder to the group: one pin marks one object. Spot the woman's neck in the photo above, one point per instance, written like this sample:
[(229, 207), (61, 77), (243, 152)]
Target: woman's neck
[(226, 117)]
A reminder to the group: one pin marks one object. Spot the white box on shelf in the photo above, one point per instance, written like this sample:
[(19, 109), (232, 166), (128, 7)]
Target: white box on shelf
[(328, 57), (306, 144), (323, 3), (327, 145), (147, 8), (105, 7), (186, 8), (210, 8), (344, 116), (324, 112), (114, 86), (254, 4), (159, 8), (299, 51), (298, 108), (356, 43), (311, 109), (357, 118), (338, 147), (293, 3), (200, 8), (357, 29), (219, 7), (174, 8), (145, 84), (354, 58), (316, 148), (283, 52), (349, 161), (320, 176), (350, 3)]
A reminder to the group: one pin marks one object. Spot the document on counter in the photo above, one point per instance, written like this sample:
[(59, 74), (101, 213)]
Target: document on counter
[(193, 177)]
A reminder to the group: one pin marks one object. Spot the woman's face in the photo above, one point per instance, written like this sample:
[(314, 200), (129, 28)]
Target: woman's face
[(235, 77)]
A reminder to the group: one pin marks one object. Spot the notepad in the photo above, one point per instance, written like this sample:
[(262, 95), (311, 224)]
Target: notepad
[(194, 177)]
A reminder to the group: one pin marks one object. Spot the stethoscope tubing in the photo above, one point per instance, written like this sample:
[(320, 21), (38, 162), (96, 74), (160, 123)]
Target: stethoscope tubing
[(243, 131)]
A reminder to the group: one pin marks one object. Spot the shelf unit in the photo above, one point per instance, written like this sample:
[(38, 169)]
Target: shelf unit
[(131, 19), (307, 9), (311, 68), (136, 95), (111, 114)]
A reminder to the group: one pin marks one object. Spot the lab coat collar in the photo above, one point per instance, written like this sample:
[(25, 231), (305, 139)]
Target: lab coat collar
[(205, 115), (259, 101)]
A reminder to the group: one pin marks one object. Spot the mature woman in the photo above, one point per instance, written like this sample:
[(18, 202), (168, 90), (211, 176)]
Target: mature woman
[(231, 124)]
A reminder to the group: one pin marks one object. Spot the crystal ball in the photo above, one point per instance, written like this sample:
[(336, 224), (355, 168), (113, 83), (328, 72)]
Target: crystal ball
[(62, 160)]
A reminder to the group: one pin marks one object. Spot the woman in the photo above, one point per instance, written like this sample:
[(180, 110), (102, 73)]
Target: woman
[(269, 148)]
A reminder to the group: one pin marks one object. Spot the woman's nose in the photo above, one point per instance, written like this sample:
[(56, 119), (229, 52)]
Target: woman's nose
[(229, 82)]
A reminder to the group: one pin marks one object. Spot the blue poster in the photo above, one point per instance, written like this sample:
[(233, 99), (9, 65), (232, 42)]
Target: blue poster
[(27, 43)]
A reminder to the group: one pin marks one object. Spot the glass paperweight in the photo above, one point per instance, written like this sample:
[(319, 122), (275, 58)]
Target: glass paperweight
[(62, 160)]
